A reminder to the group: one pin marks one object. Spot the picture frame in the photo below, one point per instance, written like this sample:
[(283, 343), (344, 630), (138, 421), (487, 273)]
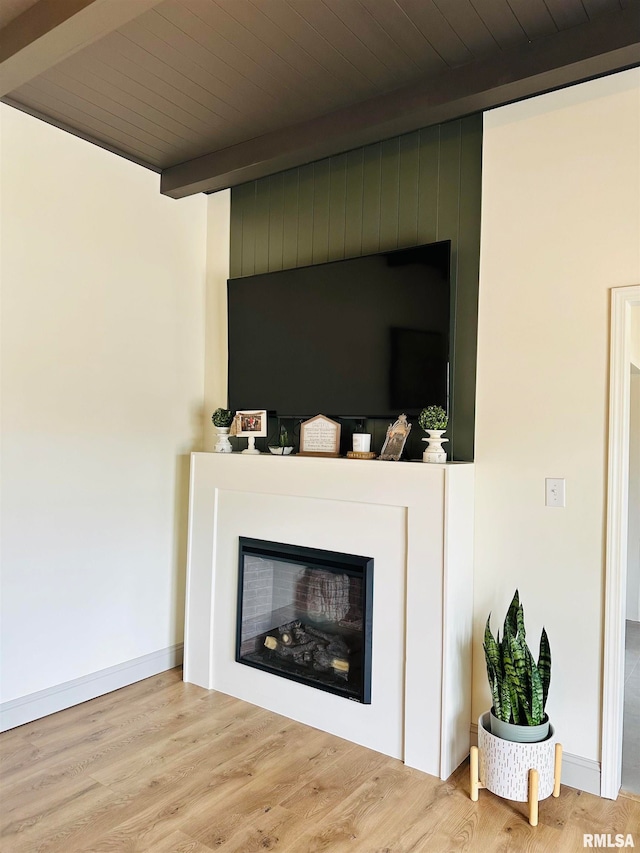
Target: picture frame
[(397, 435), (251, 425), (319, 436)]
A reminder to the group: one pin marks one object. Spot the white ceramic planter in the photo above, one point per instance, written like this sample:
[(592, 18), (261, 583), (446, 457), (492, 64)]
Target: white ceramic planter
[(434, 451), (223, 445), (504, 765)]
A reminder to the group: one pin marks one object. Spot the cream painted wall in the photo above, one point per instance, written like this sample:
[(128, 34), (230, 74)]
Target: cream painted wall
[(103, 286), (560, 226)]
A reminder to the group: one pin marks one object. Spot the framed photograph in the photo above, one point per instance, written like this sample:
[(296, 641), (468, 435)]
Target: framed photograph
[(251, 424), (397, 434), (319, 436)]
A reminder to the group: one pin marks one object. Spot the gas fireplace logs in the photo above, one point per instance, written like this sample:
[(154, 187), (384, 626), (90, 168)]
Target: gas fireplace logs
[(307, 646)]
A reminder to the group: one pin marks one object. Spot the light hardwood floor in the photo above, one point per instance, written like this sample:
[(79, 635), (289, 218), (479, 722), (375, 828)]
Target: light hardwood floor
[(168, 767)]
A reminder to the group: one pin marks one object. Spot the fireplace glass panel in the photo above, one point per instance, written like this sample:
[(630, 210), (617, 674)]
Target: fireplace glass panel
[(305, 614)]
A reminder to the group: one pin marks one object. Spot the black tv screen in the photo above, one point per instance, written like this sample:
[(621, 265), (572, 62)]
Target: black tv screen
[(363, 337)]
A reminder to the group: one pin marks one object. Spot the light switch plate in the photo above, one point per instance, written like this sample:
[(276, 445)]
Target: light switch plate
[(554, 491)]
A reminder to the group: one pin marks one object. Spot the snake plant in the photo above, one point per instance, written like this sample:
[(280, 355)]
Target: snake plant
[(519, 686)]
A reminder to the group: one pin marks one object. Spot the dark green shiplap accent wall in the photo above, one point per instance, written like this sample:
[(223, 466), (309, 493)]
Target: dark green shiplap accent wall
[(412, 189)]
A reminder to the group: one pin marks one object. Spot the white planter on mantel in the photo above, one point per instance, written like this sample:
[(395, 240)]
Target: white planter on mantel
[(416, 521), (223, 445), (434, 451)]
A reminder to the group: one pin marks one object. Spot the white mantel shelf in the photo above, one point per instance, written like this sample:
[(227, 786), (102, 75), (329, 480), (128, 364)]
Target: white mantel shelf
[(416, 521)]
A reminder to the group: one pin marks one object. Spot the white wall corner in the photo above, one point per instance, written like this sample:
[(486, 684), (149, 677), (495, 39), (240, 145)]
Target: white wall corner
[(103, 329)]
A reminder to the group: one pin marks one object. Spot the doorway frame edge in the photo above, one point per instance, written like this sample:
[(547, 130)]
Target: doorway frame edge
[(622, 300)]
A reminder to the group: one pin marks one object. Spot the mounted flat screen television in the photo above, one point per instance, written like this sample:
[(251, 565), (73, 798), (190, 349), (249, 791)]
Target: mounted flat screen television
[(365, 337)]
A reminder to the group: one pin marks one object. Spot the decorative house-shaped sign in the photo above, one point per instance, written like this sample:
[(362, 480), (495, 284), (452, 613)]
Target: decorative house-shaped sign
[(319, 436)]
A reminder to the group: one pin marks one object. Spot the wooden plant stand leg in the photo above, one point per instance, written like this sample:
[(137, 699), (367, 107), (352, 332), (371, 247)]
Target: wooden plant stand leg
[(533, 797), (557, 770), (474, 774)]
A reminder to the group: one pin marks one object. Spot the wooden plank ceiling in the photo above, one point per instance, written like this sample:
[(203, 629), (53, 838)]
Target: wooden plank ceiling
[(216, 92)]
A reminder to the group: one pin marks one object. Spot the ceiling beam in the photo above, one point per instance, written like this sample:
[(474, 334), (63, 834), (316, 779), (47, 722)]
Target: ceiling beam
[(610, 43), (51, 30)]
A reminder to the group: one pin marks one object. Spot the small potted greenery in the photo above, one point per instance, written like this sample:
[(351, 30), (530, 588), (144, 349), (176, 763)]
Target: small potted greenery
[(222, 420), (433, 420), (282, 448)]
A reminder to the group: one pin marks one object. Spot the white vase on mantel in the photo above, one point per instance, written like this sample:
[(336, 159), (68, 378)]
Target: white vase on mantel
[(223, 445), (434, 451)]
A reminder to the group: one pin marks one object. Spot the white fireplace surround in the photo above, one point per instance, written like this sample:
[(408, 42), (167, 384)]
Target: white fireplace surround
[(416, 521)]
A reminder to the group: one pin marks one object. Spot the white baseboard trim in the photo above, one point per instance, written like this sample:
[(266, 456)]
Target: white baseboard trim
[(17, 712), (577, 772)]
